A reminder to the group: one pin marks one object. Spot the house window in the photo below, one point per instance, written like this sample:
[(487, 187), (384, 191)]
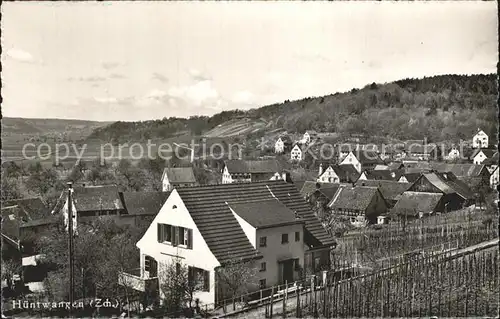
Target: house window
[(284, 238), (263, 242), (263, 266), (262, 283), (297, 236), (199, 278), (147, 263), (175, 235)]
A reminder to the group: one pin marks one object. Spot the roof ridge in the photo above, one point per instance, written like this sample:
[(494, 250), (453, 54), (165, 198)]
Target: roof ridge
[(233, 184)]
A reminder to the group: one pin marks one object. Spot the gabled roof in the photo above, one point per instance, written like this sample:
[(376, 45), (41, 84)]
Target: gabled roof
[(179, 175), (329, 192), (395, 165), (368, 157), (144, 203), (386, 175), (417, 167), (491, 160), (488, 152), (353, 198), (460, 170), (220, 229), (347, 173), (264, 213), (310, 187), (33, 208), (447, 183), (412, 203), (389, 189), (252, 166), (412, 177), (95, 198)]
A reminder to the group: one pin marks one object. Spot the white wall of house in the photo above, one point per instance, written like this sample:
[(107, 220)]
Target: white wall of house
[(453, 154), (363, 177), (248, 229), (480, 140), (494, 178), (226, 177), (306, 138), (175, 213), (296, 153), (328, 176), (351, 159), (166, 186), (479, 158), (279, 146), (402, 179)]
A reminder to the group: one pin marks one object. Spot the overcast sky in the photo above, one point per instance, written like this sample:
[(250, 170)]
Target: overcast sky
[(148, 60)]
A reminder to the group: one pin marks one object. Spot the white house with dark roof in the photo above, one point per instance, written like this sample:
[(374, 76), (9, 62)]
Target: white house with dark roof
[(205, 227), (480, 155), (296, 154), (480, 139), (282, 144), (246, 171), (177, 177), (310, 136)]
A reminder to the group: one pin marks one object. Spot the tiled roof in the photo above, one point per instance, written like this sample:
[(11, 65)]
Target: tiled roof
[(389, 189), (411, 203), (347, 173), (486, 151), (144, 203), (386, 175), (310, 187), (417, 167), (34, 207), (95, 198), (220, 229), (492, 160), (459, 170), (264, 213), (329, 192), (252, 166), (355, 198), (412, 177), (449, 184), (368, 157), (179, 175), (395, 165)]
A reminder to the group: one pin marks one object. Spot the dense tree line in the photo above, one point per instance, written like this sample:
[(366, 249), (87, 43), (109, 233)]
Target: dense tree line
[(446, 107)]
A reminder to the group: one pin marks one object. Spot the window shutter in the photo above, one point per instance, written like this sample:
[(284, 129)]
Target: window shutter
[(174, 236), (158, 233), (190, 239), (206, 281)]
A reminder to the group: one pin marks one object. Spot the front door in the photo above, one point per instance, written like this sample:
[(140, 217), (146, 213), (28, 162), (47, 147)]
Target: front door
[(151, 265), (288, 271)]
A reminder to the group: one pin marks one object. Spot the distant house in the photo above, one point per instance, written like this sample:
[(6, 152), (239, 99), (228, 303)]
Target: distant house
[(409, 177), (453, 153), (141, 207), (491, 163), (310, 136), (177, 177), (337, 174), (395, 165), (266, 223), (414, 205), (360, 204), (480, 155), (283, 144), (494, 178), (386, 175), (314, 191), (480, 139), (296, 154), (245, 171), (456, 194), (390, 190), (423, 152), (363, 160)]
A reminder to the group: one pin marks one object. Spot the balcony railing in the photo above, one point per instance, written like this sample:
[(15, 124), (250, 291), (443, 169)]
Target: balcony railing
[(133, 279)]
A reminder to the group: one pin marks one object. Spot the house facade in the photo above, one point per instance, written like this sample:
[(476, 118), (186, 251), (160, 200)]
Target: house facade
[(480, 155), (453, 154), (415, 205), (296, 153), (246, 171), (480, 139), (283, 144), (346, 173), (350, 159), (494, 178), (310, 136), (177, 177)]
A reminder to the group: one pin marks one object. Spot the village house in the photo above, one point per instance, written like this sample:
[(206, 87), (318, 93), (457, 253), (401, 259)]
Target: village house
[(414, 205), (297, 153), (283, 144), (409, 177), (480, 139), (452, 154), (480, 155), (395, 165), (141, 207), (309, 136), (177, 177), (360, 204), (494, 178), (456, 194), (362, 160), (423, 152), (476, 176), (246, 171), (207, 226), (346, 173), (387, 175), (390, 189), (491, 163)]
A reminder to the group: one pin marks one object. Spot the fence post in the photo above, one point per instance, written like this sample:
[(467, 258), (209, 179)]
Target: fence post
[(285, 295), (297, 310), (271, 305)]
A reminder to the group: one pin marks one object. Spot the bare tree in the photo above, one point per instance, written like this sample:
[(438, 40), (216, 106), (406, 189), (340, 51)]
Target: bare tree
[(236, 277)]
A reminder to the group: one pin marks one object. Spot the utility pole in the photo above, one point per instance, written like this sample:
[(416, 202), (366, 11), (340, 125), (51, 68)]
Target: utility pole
[(70, 233)]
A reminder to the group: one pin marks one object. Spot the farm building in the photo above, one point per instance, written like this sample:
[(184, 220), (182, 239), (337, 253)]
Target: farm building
[(389, 189), (361, 204), (244, 171), (177, 177), (414, 205)]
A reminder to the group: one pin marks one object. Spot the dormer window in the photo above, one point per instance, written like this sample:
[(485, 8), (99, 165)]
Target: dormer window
[(174, 207)]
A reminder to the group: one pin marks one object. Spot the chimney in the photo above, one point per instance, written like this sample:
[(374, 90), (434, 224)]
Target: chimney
[(320, 169)]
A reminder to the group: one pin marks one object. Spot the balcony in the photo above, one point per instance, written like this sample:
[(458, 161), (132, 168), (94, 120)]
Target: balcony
[(133, 279)]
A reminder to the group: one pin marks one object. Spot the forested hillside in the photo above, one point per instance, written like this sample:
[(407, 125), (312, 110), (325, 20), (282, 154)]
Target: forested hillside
[(447, 107)]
